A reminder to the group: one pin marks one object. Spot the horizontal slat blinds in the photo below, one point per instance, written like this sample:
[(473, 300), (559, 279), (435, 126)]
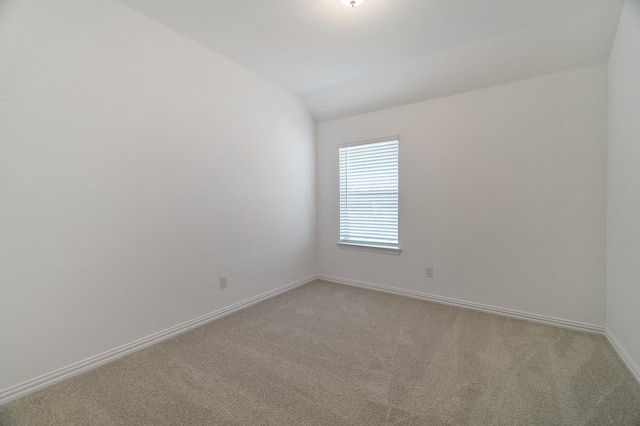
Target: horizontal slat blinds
[(369, 194)]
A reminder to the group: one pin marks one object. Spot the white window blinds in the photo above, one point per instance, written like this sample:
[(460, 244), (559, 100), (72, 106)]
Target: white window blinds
[(369, 194)]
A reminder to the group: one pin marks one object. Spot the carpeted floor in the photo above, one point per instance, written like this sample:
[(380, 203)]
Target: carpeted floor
[(327, 354)]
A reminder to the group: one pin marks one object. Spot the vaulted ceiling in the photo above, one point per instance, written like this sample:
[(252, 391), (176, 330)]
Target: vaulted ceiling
[(384, 53)]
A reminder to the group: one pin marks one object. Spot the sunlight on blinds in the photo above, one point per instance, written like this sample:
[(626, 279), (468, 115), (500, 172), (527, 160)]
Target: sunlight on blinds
[(369, 194)]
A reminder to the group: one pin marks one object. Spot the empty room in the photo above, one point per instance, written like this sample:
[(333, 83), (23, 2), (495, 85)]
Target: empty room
[(320, 212)]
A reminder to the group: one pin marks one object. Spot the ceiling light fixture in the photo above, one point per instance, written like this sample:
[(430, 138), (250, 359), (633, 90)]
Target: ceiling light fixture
[(352, 3)]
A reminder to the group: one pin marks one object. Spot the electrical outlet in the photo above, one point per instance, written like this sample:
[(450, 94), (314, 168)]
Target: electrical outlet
[(223, 281), (429, 271)]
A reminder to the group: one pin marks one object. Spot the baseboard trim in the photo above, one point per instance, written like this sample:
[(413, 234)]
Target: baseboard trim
[(64, 373), (542, 319), (69, 371), (624, 355)]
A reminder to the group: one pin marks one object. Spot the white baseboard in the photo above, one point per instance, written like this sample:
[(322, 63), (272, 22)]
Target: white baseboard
[(624, 355), (543, 319), (64, 373)]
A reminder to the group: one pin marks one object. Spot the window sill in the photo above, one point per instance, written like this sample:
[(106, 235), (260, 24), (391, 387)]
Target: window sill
[(374, 249)]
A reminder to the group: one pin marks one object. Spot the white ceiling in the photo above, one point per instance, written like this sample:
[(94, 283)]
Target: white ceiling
[(384, 53)]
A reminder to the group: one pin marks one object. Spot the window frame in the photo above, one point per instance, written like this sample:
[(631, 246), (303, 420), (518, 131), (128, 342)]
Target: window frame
[(361, 246)]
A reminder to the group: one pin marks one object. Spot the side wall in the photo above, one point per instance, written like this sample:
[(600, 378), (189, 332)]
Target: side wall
[(502, 191), (623, 215), (136, 167)]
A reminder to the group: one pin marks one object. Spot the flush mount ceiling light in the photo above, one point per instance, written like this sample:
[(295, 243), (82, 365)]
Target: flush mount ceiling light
[(351, 3)]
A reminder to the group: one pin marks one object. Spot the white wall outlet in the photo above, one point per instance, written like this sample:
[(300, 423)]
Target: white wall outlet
[(223, 281), (429, 271)]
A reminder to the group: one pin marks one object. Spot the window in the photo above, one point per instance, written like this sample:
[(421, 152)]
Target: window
[(369, 195)]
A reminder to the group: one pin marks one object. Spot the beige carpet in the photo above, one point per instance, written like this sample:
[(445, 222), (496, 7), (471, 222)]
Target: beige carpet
[(326, 354)]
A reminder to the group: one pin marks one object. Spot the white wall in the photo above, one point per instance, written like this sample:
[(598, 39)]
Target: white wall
[(135, 168), (502, 190), (623, 218)]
